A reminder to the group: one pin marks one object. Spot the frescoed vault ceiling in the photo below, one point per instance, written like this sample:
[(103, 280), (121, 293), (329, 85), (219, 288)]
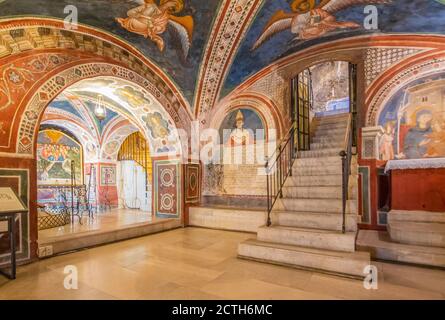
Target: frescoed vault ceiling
[(131, 102), (208, 47), (282, 28), (176, 45), (124, 102), (85, 110), (68, 112)]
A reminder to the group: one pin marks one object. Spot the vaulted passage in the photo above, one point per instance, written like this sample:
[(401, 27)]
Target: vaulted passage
[(283, 139), (94, 164)]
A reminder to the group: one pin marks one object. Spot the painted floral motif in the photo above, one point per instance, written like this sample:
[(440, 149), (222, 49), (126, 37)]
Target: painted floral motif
[(15, 77)]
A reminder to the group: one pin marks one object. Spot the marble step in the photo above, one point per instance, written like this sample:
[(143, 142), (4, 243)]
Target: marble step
[(315, 205), (330, 126), (331, 119), (53, 245), (336, 134), (314, 162), (325, 131), (318, 170), (380, 245), (311, 238), (314, 220), (318, 146), (334, 192), (332, 262), (416, 216), (332, 152), (418, 233), (339, 138), (227, 218), (312, 181)]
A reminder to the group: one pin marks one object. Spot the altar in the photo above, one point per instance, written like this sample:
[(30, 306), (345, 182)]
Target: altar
[(417, 184)]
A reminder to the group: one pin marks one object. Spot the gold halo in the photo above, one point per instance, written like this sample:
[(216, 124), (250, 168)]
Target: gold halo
[(302, 6), (179, 5)]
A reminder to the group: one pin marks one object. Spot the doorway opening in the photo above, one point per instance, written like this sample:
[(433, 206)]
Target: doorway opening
[(135, 174), (94, 164), (322, 90)]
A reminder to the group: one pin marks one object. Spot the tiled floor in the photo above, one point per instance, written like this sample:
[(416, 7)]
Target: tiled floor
[(196, 263)]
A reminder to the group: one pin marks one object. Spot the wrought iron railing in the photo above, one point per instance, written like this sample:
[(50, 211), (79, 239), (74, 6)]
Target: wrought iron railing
[(346, 157), (278, 168)]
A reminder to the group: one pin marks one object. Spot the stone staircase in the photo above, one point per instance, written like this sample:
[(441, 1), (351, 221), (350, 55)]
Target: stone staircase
[(307, 220)]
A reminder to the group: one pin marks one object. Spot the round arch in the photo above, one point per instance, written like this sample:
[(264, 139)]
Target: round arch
[(42, 60), (37, 102), (114, 139), (396, 78), (262, 105)]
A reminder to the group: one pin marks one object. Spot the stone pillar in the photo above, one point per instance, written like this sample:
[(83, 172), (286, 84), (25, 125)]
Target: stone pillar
[(370, 142)]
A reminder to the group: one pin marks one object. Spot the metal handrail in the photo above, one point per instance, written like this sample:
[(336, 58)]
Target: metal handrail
[(346, 156), (278, 168)]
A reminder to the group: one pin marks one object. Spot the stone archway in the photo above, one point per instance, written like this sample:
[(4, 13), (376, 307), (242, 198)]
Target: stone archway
[(48, 50), (264, 106), (393, 81), (36, 70), (38, 101)]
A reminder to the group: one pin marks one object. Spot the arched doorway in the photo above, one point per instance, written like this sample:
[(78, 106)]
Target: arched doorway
[(37, 77), (120, 126), (134, 171)]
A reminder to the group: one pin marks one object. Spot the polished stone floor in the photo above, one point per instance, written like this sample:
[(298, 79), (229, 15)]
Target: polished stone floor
[(194, 263), (106, 221)]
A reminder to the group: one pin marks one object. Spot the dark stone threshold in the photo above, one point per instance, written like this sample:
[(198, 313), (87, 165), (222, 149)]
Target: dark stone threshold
[(236, 201)]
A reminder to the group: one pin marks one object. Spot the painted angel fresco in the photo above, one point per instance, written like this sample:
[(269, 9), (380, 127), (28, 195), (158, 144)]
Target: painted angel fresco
[(151, 20), (311, 19)]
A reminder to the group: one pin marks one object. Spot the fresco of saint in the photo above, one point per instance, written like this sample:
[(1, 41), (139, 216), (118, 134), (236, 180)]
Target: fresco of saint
[(415, 144), (436, 147), (386, 147), (417, 111), (239, 135)]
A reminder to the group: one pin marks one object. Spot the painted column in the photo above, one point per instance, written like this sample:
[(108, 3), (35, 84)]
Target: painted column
[(369, 166)]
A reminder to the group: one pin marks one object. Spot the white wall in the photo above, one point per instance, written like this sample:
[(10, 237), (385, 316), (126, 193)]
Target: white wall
[(132, 187)]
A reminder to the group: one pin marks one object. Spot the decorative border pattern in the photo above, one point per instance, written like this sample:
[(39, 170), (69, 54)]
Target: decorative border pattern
[(90, 40), (379, 100), (167, 188), (377, 60), (192, 183), (56, 84), (231, 25)]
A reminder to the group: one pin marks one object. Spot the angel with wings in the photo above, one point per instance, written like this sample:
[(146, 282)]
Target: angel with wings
[(151, 20), (310, 19)]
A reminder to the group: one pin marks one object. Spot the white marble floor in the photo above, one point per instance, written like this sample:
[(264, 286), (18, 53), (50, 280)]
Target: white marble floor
[(195, 263)]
